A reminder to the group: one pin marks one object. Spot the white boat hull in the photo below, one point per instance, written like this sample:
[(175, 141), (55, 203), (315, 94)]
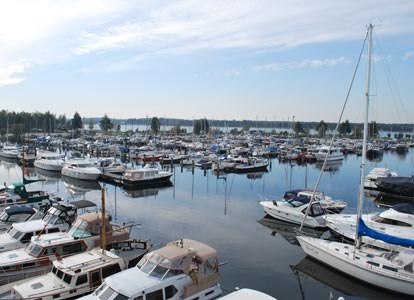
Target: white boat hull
[(343, 259)]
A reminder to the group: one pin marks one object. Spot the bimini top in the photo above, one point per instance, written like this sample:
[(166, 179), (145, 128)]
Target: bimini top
[(178, 255)]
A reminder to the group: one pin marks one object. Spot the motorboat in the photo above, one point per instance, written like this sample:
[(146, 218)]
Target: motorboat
[(251, 164), (329, 204), (374, 174), (57, 218), (15, 214), (397, 221), (247, 294), (82, 273), (49, 161), (79, 168), (149, 175), (332, 154), (9, 152), (17, 194), (396, 186), (293, 210), (84, 235), (184, 269)]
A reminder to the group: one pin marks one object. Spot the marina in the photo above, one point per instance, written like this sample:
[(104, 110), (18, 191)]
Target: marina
[(223, 210)]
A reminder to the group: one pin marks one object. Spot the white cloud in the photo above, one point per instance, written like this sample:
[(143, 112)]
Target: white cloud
[(307, 63), (408, 55), (10, 75), (50, 31)]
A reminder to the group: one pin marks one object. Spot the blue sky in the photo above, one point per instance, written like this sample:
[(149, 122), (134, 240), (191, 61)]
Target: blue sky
[(216, 59)]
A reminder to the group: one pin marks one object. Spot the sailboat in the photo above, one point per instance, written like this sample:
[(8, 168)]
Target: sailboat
[(385, 269)]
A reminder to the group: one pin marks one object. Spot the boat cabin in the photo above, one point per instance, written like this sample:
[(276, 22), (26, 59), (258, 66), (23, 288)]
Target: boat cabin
[(57, 218), (184, 269), (15, 214)]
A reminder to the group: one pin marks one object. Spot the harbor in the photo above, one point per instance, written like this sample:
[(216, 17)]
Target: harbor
[(222, 209)]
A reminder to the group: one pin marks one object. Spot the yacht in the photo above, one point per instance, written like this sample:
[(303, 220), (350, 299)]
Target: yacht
[(80, 169), (294, 210), (9, 152), (369, 182), (49, 161), (390, 270), (150, 174), (84, 235), (247, 294), (329, 204), (184, 269), (397, 222), (80, 274), (331, 154), (57, 218), (15, 214)]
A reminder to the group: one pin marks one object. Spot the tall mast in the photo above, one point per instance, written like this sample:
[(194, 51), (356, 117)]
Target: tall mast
[(365, 136), (103, 241)]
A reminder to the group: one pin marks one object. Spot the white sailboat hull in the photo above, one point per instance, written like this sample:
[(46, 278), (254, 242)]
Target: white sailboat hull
[(343, 258)]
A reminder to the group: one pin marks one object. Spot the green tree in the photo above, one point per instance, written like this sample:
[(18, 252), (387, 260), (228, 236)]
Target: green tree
[(106, 124), (298, 128), (76, 121), (155, 125), (91, 124), (372, 129), (344, 128), (321, 128), (197, 127)]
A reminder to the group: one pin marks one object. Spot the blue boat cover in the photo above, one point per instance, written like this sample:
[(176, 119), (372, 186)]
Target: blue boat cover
[(364, 230)]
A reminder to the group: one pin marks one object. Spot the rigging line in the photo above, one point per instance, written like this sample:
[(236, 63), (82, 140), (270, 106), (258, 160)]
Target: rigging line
[(334, 134), (391, 83)]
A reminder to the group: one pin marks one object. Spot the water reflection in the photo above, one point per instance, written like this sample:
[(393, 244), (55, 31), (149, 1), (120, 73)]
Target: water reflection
[(48, 175), (330, 167), (146, 192), (287, 230), (342, 284), (79, 187)]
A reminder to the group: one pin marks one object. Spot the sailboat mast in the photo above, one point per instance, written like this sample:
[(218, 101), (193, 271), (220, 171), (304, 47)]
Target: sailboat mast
[(365, 136)]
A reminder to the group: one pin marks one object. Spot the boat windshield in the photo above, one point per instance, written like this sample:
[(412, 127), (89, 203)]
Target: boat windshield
[(14, 233), (52, 215), (33, 249), (78, 229), (104, 292), (154, 270)]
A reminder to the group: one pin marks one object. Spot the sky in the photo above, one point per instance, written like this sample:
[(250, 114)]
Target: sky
[(229, 60)]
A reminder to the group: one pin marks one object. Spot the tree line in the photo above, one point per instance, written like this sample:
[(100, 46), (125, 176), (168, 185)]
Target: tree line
[(16, 124)]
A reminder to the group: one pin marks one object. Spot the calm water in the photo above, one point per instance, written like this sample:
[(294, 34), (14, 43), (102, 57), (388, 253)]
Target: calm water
[(224, 213)]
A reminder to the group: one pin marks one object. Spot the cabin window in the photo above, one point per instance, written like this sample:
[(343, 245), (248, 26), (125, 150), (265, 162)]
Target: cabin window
[(96, 277), (72, 248), (139, 298), (156, 295), (19, 218), (109, 270), (120, 297), (316, 210), (33, 249), (51, 251), (373, 263), (170, 291), (82, 279), (51, 230), (59, 274), (382, 220), (67, 278), (389, 268), (26, 238)]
